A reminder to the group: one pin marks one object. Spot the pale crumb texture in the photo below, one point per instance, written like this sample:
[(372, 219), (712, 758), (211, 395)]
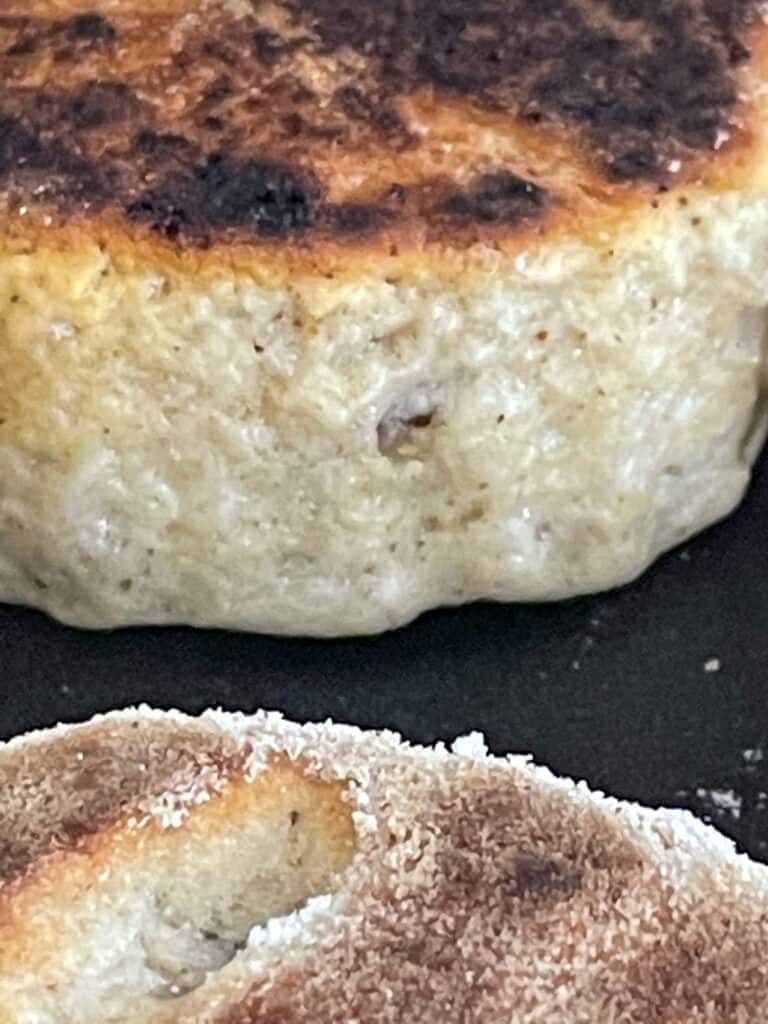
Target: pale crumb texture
[(420, 886), (332, 455)]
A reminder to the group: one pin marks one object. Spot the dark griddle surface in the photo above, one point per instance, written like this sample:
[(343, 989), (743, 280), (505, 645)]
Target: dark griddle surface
[(610, 688)]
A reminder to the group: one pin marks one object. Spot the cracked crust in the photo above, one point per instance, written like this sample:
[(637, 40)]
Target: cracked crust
[(306, 125), (479, 890)]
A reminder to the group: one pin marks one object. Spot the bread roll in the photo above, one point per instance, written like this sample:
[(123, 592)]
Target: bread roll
[(315, 315), (156, 868)]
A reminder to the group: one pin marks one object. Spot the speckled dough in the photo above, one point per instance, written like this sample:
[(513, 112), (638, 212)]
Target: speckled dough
[(305, 333), (156, 869)]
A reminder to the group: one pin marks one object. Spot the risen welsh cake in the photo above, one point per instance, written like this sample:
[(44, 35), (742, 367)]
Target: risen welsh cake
[(315, 314), (156, 869)]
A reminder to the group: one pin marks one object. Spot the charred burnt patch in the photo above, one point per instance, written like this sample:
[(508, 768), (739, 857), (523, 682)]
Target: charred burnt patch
[(268, 198), (643, 105), (91, 28), (274, 198), (501, 198), (19, 146), (62, 172), (353, 218), (167, 209), (96, 104)]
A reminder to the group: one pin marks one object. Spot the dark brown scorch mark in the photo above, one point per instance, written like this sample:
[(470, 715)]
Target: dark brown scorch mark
[(646, 82), (90, 27), (269, 198), (501, 198), (49, 162)]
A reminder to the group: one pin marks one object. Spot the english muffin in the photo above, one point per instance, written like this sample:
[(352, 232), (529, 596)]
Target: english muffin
[(314, 315), (245, 870)]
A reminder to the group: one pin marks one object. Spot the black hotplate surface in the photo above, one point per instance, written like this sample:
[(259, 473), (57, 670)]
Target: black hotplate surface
[(657, 692)]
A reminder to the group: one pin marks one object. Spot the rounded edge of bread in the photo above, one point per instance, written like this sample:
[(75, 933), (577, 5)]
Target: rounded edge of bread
[(475, 888), (338, 456)]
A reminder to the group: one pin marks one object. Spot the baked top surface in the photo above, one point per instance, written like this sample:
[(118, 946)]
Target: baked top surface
[(300, 124)]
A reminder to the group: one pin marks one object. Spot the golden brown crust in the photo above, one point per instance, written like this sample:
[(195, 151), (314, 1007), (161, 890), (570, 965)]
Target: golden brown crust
[(306, 123)]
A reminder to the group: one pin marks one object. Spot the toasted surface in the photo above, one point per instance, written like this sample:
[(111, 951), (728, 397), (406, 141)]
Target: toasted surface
[(304, 125), (441, 886)]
